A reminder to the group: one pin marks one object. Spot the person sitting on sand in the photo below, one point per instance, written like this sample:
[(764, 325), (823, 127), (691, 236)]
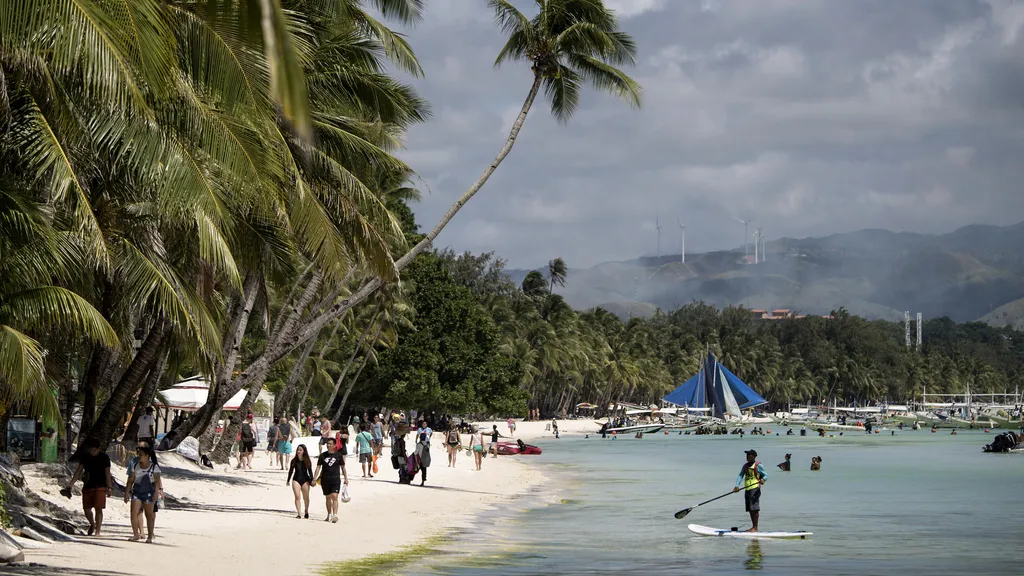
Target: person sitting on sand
[(786, 466), (816, 463)]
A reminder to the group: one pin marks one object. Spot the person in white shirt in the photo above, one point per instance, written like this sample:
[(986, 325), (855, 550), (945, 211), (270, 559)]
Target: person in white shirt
[(147, 426)]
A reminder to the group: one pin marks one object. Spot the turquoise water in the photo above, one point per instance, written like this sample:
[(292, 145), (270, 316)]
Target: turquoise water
[(916, 503)]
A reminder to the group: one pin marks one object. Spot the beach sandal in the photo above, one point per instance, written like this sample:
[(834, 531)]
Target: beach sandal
[(299, 516), (134, 538), (334, 519), (307, 515)]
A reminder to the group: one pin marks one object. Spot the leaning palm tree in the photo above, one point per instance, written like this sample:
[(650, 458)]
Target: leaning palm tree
[(567, 43)]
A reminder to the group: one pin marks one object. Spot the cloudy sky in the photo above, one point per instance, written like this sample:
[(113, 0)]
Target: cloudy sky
[(810, 116)]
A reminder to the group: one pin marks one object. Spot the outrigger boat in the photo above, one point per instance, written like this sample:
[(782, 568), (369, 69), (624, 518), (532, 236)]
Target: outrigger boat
[(720, 391)]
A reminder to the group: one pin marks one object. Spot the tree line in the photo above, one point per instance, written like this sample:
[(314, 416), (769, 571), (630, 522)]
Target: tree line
[(210, 187), (562, 357)]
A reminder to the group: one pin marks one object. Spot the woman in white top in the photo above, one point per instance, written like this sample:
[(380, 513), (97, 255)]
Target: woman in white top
[(145, 489), (477, 441)]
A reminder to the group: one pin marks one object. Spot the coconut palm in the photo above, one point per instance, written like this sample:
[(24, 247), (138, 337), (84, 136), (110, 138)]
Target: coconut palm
[(557, 272)]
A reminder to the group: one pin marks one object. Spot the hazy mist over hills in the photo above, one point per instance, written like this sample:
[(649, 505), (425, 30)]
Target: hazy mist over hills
[(973, 273)]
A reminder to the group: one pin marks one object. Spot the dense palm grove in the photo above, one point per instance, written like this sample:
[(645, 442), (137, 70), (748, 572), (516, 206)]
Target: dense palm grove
[(210, 186)]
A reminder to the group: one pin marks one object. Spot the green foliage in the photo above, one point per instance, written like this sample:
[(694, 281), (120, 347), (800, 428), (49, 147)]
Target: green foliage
[(5, 518), (448, 360)]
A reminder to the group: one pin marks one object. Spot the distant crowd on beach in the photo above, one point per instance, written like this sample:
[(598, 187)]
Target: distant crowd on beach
[(309, 449)]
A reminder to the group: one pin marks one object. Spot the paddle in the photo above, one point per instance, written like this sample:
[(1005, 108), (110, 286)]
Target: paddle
[(682, 513)]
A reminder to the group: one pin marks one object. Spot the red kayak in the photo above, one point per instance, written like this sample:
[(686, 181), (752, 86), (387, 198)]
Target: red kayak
[(510, 448)]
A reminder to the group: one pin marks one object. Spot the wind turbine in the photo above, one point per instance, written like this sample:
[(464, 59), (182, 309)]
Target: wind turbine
[(757, 244), (746, 237), (657, 226), (682, 241)]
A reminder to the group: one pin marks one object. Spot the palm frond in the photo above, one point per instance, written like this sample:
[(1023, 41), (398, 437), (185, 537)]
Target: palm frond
[(22, 376)]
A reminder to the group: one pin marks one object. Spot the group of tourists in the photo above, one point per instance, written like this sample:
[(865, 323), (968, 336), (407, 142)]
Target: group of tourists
[(143, 484)]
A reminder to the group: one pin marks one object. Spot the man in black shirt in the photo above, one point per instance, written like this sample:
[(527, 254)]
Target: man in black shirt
[(332, 466), (94, 469)]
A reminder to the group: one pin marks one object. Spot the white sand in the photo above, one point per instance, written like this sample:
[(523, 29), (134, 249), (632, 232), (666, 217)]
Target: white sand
[(244, 521)]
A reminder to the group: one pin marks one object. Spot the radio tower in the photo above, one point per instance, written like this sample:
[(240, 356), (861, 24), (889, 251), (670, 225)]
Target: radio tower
[(918, 331), (906, 327)]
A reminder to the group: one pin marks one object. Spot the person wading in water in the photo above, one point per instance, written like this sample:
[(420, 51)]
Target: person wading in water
[(751, 478)]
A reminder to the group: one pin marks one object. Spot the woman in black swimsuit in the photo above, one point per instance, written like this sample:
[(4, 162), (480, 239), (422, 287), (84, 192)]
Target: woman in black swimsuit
[(300, 476)]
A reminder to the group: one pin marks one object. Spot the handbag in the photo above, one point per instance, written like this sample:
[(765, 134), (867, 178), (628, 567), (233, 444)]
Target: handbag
[(345, 497)]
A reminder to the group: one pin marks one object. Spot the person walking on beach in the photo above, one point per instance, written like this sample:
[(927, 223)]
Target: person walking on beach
[(272, 443), (284, 441), (377, 431), (364, 443), (751, 478), (248, 443), (330, 468), (511, 422), (494, 440), (452, 443), (144, 489), (477, 441), (300, 476), (94, 470), (423, 435), (147, 427)]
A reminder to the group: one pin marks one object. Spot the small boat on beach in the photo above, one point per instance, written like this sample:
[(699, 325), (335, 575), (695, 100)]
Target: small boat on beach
[(513, 448), (641, 428)]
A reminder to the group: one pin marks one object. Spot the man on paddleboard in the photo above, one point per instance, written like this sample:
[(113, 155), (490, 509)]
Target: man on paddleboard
[(751, 478)]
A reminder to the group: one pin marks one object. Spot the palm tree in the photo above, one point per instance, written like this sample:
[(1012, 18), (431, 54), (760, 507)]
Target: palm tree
[(557, 272), (567, 43)]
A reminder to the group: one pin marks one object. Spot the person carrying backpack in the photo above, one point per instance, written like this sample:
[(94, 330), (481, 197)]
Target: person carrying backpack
[(248, 444)]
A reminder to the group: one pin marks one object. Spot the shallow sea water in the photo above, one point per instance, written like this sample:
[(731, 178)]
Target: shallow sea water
[(914, 503)]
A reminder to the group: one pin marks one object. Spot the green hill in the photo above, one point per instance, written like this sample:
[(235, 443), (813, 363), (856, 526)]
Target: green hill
[(976, 272)]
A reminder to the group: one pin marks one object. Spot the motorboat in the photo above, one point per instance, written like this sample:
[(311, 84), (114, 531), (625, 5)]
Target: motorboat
[(634, 429), (513, 448)]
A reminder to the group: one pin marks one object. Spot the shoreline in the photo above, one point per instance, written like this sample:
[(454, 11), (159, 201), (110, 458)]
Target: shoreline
[(227, 519)]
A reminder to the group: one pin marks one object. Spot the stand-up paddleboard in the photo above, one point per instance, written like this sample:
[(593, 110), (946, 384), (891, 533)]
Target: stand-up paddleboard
[(708, 531)]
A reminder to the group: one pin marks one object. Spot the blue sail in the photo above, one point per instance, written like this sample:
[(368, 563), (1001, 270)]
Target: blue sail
[(716, 387)]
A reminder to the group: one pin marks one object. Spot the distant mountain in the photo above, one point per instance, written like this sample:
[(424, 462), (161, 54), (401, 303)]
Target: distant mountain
[(976, 272)]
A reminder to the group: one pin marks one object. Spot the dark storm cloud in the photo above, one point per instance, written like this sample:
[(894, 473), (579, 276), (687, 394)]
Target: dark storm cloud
[(811, 116)]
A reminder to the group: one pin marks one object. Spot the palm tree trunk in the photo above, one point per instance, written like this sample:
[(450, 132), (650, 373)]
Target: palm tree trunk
[(366, 359), (222, 451), (284, 398), (291, 341), (200, 420), (351, 359), (146, 395), (323, 352), (131, 380)]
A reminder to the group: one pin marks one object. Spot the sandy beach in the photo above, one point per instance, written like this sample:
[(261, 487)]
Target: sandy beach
[(229, 520)]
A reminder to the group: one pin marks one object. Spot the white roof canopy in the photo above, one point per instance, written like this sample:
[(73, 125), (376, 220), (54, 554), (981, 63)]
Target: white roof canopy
[(191, 394)]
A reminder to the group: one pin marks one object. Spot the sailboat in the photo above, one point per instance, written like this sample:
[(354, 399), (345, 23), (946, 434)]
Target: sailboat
[(715, 387)]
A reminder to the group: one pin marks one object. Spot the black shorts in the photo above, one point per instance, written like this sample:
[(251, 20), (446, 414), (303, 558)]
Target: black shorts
[(753, 500), (248, 446), (330, 486)]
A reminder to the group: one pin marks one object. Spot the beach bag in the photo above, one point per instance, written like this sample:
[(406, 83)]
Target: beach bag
[(189, 448), (345, 497), (375, 464)]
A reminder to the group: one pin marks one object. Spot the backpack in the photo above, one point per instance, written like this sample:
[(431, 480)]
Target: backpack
[(247, 431)]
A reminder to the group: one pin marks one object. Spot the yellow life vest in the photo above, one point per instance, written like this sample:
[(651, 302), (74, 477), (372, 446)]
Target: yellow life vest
[(752, 479)]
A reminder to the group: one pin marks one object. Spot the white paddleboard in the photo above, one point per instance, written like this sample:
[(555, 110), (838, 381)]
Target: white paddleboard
[(708, 531)]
